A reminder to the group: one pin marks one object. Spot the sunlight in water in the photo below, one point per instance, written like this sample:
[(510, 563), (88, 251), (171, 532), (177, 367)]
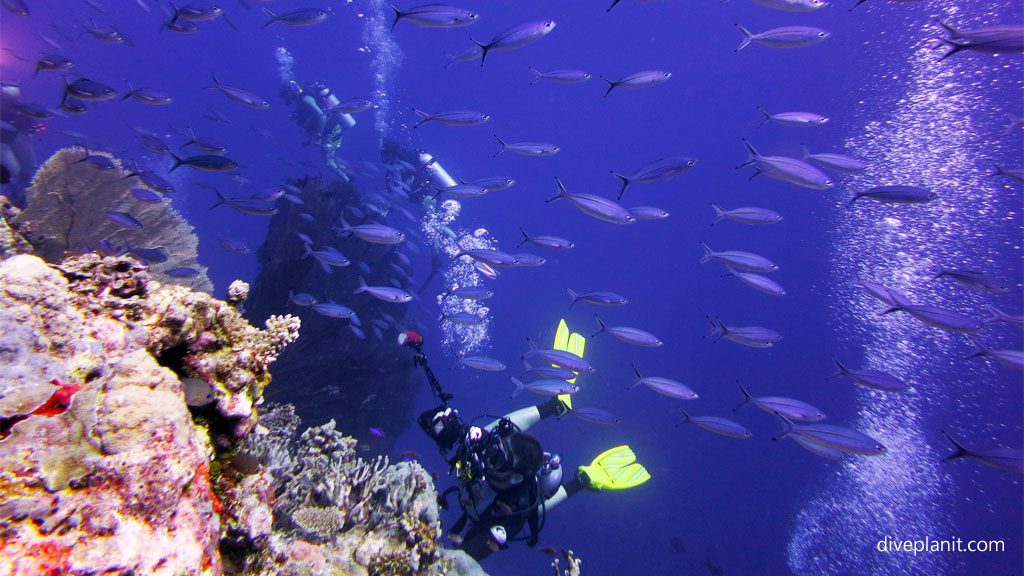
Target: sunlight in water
[(940, 136)]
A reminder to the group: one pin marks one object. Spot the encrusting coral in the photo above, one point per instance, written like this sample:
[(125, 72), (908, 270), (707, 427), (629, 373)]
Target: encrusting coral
[(66, 214), (104, 468)]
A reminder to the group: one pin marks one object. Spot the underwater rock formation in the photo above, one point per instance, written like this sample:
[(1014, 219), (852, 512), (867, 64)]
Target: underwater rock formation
[(331, 372), (109, 464), (11, 242), (66, 215)]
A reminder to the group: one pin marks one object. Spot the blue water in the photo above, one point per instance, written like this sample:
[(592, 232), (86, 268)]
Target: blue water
[(715, 505)]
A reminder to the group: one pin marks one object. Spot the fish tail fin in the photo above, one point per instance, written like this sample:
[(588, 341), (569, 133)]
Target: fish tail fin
[(767, 117), (625, 183), (997, 170), (398, 16), (561, 191), (273, 17), (526, 238), (307, 251), (425, 117), (532, 345), (519, 386), (485, 48), (979, 350), (611, 86), (841, 369), (575, 298), (178, 161), (537, 75), (751, 152), (787, 426), (717, 329), (438, 190), (960, 450), (599, 323), (638, 375), (686, 417), (504, 146), (448, 55), (747, 37), (127, 94), (806, 152), (947, 27), (220, 197), (746, 397), (994, 315), (954, 47), (719, 214), (362, 286), (890, 310), (708, 253)]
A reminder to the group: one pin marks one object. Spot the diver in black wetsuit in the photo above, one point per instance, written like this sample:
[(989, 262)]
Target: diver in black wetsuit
[(507, 482), (315, 113)]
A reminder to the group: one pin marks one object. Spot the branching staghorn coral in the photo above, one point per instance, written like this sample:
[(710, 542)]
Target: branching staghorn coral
[(66, 215)]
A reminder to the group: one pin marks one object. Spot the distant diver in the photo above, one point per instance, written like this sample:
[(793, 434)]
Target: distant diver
[(507, 482), (316, 114)]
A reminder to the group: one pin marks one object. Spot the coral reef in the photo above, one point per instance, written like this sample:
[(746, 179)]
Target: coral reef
[(330, 361), (334, 509), (66, 215), (123, 465), (104, 468), (11, 242)]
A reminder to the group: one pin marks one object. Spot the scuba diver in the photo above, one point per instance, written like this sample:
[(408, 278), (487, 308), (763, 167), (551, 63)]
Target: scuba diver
[(506, 479), (315, 113)]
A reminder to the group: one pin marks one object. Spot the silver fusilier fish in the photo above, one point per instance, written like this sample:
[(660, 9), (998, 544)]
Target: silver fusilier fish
[(835, 162), (300, 17), (516, 37), (1007, 357), (791, 5), (835, 437), (788, 407), (384, 293), (629, 335), (482, 363), (746, 215), (545, 387), (243, 97), (870, 378), (642, 79), (205, 162), (373, 233), (561, 358), (999, 39), (328, 258), (753, 336), (664, 386), (564, 76), (539, 149), (973, 279), (648, 213), (739, 260), (147, 96), (757, 282), (661, 169), (717, 425), (1008, 459), (595, 206), (940, 318), (472, 292), (553, 242), (784, 37), (895, 195), (595, 415), (787, 169), (435, 16), (795, 119), (452, 118), (609, 299)]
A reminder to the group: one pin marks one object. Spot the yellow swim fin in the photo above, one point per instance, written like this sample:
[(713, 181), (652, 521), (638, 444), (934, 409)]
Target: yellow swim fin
[(615, 469), (570, 342)]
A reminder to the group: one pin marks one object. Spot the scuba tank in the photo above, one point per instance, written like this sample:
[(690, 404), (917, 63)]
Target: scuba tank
[(330, 101), (550, 476), (437, 172)]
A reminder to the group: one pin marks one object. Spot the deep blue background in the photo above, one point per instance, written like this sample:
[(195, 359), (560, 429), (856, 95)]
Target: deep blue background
[(714, 503)]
